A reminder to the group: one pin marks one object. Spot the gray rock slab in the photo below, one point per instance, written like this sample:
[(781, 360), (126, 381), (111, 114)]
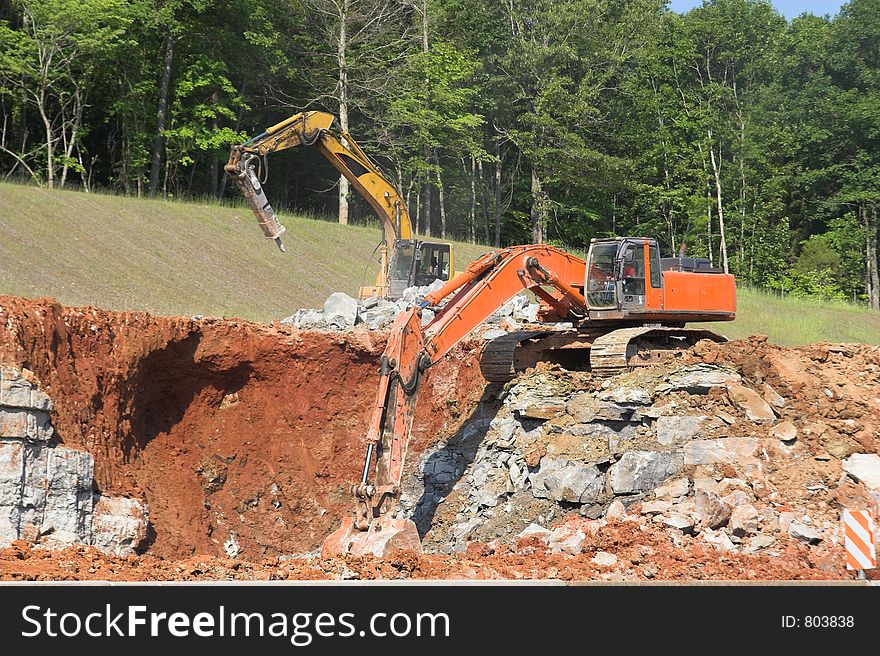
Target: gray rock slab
[(699, 378), (804, 533), (11, 477), (17, 391), (119, 525), (723, 450), (865, 468), (672, 429), (566, 480), (25, 424), (639, 471), (750, 402), (340, 310), (67, 518)]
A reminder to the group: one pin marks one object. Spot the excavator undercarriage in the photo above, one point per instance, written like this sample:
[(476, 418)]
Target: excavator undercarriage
[(598, 350)]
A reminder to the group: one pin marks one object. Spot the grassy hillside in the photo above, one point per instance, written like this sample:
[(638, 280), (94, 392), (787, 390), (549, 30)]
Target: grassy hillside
[(795, 321), (176, 258), (193, 258)]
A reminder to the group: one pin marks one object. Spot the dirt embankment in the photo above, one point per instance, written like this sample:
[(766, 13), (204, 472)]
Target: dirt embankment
[(241, 437), (732, 463)]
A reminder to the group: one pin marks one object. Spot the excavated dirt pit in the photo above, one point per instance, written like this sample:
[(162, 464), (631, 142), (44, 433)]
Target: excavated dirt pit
[(240, 437)]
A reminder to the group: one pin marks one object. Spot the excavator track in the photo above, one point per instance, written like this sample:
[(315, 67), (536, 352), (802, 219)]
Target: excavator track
[(627, 348), (606, 353), (498, 359)]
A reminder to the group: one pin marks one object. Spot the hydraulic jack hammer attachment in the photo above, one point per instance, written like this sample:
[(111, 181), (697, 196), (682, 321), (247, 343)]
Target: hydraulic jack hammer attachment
[(245, 177)]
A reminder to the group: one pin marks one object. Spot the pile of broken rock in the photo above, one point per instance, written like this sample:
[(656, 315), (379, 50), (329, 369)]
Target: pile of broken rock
[(341, 311), (706, 449)]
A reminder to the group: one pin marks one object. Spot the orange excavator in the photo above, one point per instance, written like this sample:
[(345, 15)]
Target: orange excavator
[(627, 308)]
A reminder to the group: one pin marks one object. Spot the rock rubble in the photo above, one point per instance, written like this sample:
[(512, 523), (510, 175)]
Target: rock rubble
[(342, 312), (725, 447)]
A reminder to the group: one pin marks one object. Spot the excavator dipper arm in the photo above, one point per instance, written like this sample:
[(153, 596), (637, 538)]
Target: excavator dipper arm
[(477, 292)]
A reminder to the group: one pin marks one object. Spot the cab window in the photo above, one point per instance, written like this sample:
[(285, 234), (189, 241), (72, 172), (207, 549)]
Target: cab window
[(600, 276), (634, 269), (656, 276), (432, 264), (402, 261)]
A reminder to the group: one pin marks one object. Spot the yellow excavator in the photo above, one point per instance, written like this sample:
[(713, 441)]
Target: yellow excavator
[(404, 261)]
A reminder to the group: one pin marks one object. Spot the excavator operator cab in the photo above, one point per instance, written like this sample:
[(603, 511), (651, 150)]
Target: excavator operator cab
[(618, 276), (417, 263)]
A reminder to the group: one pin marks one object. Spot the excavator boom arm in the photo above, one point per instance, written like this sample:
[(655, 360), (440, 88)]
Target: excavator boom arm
[(479, 291)]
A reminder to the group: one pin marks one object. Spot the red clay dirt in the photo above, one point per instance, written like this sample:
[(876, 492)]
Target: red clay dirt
[(225, 427), (233, 429), (642, 555)]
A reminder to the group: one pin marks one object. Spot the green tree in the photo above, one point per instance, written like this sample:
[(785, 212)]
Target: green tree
[(51, 61)]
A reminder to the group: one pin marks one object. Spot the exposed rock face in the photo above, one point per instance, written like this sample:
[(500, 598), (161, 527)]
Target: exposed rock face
[(565, 442), (693, 448), (46, 493)]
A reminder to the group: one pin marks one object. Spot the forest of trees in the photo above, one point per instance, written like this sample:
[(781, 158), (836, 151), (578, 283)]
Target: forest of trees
[(752, 139)]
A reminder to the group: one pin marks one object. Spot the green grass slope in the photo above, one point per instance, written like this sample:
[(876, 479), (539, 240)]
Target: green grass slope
[(194, 258), (796, 321), (175, 257)]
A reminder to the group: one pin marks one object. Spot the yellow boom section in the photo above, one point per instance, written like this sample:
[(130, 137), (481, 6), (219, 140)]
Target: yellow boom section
[(315, 129)]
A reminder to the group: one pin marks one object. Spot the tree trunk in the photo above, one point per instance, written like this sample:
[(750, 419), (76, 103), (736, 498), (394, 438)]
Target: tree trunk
[(192, 175), (75, 125), (539, 209), (614, 215), (472, 206), (709, 223), (341, 47), (742, 197), (742, 178), (418, 226), (863, 219), (426, 228), (442, 203), (497, 194), (873, 273), (717, 174), (484, 203), (167, 175), (50, 143), (667, 204), (409, 190), (159, 140), (213, 163)]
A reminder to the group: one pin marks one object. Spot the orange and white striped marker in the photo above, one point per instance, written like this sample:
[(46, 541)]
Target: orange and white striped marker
[(858, 533)]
